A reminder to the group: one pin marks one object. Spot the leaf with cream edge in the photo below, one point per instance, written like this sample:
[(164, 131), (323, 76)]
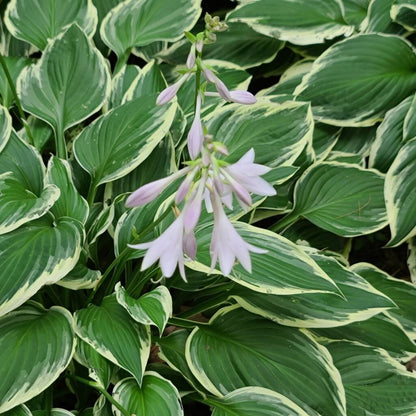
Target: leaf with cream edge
[(277, 132), (400, 196), (133, 23), (304, 22), (404, 12), (37, 345), (126, 138), (70, 81), (321, 197), (130, 349), (283, 270), (156, 396), (38, 21), (121, 83), (373, 380), (378, 19), (403, 293), (239, 349), (20, 410), (249, 401), (354, 82), (49, 253), (152, 308), (360, 302), (5, 127)]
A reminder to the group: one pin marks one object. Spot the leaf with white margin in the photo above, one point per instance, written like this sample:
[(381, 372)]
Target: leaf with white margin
[(70, 81), (322, 197), (355, 11), (381, 331), (126, 138), (49, 253), (404, 12), (277, 132), (37, 345), (38, 21), (378, 19), (41, 132), (355, 81), (283, 270), (129, 349), (304, 22), (5, 127), (152, 308), (409, 126), (400, 196), (121, 83), (156, 396), (249, 401), (56, 411), (70, 203), (238, 349), (99, 224), (403, 293), (360, 302), (373, 381), (134, 23), (20, 410)]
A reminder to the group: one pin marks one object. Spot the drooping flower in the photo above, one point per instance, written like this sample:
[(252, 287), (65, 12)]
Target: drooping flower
[(168, 93), (196, 133), (242, 97)]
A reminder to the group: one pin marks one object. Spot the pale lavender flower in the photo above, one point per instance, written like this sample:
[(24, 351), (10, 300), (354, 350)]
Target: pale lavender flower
[(167, 248), (196, 133), (192, 208), (189, 244), (191, 59), (199, 45), (242, 97), (186, 184), (170, 92), (226, 244), (219, 85), (150, 191)]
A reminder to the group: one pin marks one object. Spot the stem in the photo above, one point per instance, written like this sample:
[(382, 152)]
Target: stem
[(284, 223), (121, 61), (104, 392), (91, 192), (16, 99), (60, 144), (197, 78)]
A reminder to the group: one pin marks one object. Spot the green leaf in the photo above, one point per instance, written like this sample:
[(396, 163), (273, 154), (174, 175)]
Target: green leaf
[(70, 203), (303, 22), (41, 132), (130, 349), (152, 308), (239, 349), (409, 126), (276, 132), (37, 345), (133, 23), (121, 83), (355, 81), (284, 270), (356, 140), (400, 196), (69, 82), (404, 12), (248, 401), (5, 127), (373, 381), (403, 293), (379, 331), (127, 137), (361, 301), (355, 11), (99, 224), (49, 253), (324, 139), (21, 410), (379, 19), (322, 197), (38, 21), (155, 397)]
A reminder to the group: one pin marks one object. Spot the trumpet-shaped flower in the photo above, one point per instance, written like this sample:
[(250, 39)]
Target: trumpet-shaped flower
[(170, 92), (196, 133)]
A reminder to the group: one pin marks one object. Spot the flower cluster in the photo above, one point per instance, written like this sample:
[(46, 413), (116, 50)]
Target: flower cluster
[(207, 179)]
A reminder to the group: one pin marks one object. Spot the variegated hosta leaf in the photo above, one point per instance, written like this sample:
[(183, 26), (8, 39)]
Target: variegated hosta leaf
[(400, 291), (284, 270), (361, 301), (324, 139), (40, 130), (70, 203), (97, 225), (152, 308), (400, 195), (69, 82), (5, 126), (156, 396), (379, 331), (373, 381), (38, 21), (277, 132), (322, 197), (34, 255), (249, 401), (53, 412), (303, 22), (127, 137), (112, 333), (20, 410), (356, 140), (409, 126), (357, 80), (121, 83), (133, 23), (355, 11), (404, 12), (36, 345), (99, 368), (239, 349), (378, 18), (390, 136)]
